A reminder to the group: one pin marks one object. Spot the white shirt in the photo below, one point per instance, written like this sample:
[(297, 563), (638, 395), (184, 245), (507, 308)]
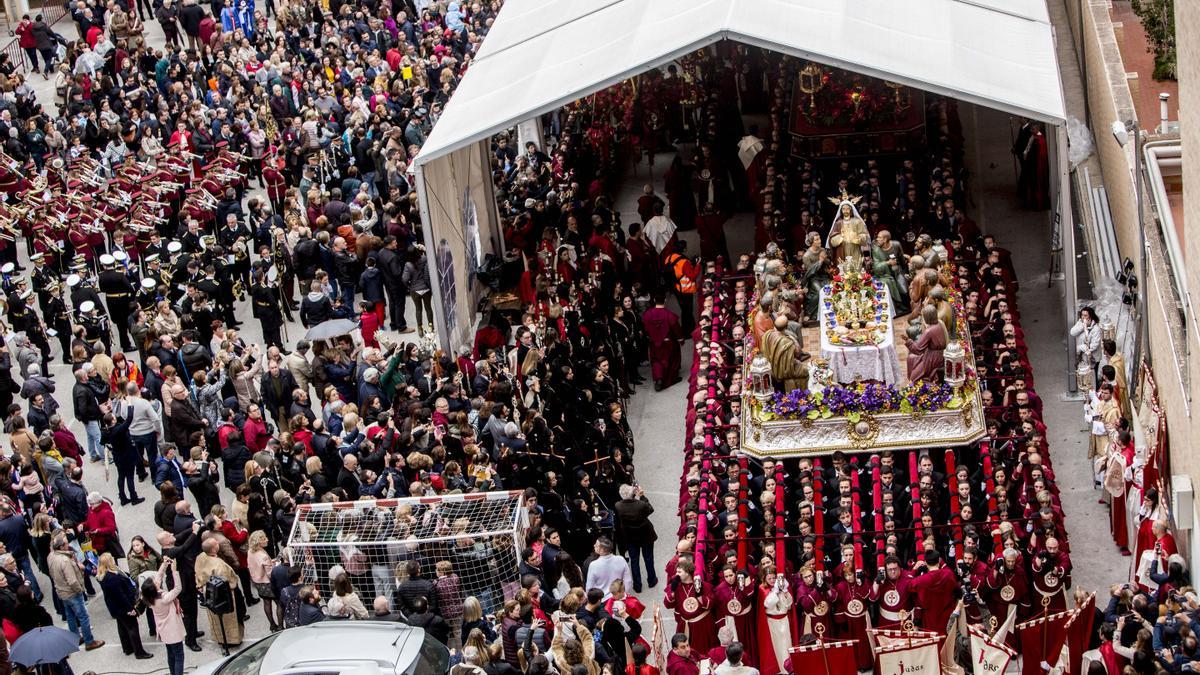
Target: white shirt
[(605, 570)]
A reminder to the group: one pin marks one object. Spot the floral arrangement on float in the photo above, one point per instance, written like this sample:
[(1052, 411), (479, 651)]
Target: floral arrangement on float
[(856, 312), (858, 399)]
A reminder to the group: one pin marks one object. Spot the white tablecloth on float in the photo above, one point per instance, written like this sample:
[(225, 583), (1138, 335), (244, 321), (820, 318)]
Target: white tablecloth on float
[(862, 362)]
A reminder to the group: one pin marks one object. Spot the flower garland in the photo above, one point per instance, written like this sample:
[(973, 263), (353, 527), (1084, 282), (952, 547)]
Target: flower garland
[(859, 398)]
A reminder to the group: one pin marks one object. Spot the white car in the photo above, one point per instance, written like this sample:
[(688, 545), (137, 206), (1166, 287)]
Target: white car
[(338, 648)]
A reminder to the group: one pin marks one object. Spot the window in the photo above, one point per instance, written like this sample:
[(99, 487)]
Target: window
[(249, 660)]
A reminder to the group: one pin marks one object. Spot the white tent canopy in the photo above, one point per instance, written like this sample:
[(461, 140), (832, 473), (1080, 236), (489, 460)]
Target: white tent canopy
[(542, 54)]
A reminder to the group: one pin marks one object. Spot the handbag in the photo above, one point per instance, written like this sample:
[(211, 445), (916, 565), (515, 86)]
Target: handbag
[(113, 547)]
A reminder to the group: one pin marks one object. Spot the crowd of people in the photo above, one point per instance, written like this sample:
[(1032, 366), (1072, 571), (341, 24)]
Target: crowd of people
[(324, 105)]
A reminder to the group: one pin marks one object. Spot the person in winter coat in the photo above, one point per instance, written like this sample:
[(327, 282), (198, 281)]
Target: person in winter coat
[(368, 322), (168, 18), (115, 434), (185, 418), (190, 16), (209, 400), (195, 356), (45, 43), (276, 387), (101, 524), (120, 596), (636, 533), (316, 307), (168, 617), (234, 457), (28, 41), (37, 383), (67, 574), (370, 283), (416, 279)]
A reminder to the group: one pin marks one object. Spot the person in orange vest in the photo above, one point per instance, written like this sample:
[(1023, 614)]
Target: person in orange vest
[(686, 274)]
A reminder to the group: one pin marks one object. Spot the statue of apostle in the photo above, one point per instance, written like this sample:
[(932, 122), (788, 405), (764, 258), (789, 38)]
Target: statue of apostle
[(925, 360), (782, 350)]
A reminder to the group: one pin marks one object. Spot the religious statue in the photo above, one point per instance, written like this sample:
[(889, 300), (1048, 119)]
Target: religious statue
[(849, 237), (782, 349), (764, 318), (887, 259), (945, 310), (925, 361), (818, 271), (923, 279)]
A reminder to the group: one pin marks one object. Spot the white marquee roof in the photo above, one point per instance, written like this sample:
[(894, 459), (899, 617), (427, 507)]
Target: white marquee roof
[(542, 54)]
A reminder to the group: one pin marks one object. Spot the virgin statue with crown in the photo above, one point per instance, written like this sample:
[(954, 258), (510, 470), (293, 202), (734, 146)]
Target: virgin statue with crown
[(848, 237)]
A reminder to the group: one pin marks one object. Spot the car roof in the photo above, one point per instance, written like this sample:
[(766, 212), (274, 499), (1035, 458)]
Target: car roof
[(385, 643)]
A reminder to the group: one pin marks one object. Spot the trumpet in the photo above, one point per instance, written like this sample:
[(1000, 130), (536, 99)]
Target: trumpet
[(50, 244), (89, 165), (188, 155), (89, 178), (121, 197)]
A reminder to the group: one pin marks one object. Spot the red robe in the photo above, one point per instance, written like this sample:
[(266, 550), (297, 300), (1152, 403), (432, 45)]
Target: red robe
[(711, 228), (1049, 582), (1019, 602), (852, 625), (696, 619), (894, 597), (662, 327), (1145, 539), (814, 608), (742, 619), (935, 596)]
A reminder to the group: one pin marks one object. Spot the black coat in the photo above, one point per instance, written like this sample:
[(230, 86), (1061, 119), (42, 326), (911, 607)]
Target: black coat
[(633, 519), (184, 421), (72, 501), (190, 17), (87, 407), (306, 258), (433, 624), (117, 437), (391, 264), (315, 309), (370, 284), (234, 458), (120, 595), (277, 397), (43, 35)]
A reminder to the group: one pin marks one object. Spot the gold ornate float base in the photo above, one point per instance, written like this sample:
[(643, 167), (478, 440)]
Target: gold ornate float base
[(862, 433)]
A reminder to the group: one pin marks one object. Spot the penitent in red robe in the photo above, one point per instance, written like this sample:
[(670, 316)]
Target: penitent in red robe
[(736, 605), (662, 327)]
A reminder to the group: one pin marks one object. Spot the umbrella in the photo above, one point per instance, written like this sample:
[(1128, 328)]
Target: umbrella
[(48, 644), (331, 329)]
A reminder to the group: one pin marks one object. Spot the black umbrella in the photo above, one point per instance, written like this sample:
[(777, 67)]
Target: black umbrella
[(48, 644)]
